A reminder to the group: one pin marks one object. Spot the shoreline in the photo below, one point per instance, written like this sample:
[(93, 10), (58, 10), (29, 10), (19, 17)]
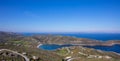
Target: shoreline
[(108, 45), (87, 45), (116, 53), (39, 45)]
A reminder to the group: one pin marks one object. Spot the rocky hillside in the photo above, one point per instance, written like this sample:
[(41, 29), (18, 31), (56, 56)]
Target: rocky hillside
[(51, 39), (78, 53), (27, 45)]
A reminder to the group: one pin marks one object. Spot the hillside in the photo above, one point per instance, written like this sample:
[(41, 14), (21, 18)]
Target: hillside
[(27, 46), (78, 53)]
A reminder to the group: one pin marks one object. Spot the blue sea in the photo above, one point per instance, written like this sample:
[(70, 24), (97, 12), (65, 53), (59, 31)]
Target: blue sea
[(114, 48), (53, 46), (96, 36)]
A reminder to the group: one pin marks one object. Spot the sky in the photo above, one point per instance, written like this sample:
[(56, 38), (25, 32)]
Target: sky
[(60, 15)]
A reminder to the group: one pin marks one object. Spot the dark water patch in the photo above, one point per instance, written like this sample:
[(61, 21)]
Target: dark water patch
[(53, 46), (114, 48)]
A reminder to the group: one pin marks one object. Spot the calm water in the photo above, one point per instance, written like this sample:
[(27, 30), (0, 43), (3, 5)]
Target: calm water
[(97, 36), (53, 46), (114, 48)]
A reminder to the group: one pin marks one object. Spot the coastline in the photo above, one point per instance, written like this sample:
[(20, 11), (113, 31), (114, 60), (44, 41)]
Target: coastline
[(116, 53), (84, 46), (39, 45)]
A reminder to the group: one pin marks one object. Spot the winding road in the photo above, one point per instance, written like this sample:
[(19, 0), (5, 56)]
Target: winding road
[(73, 58), (25, 57)]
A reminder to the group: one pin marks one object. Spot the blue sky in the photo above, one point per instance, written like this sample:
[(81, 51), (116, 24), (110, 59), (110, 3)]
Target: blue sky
[(60, 15)]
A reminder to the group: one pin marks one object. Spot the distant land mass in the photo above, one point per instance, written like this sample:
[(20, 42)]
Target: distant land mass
[(106, 39), (49, 38), (96, 36)]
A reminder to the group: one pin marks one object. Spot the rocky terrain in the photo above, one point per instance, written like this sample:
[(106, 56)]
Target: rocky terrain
[(20, 46), (53, 39), (78, 53)]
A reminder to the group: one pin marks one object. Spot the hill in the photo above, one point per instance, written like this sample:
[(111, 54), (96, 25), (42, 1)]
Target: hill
[(27, 46)]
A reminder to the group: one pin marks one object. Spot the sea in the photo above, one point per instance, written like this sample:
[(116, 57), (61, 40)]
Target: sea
[(95, 36)]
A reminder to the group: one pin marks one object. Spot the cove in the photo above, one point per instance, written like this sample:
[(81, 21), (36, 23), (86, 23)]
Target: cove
[(50, 47), (53, 46)]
